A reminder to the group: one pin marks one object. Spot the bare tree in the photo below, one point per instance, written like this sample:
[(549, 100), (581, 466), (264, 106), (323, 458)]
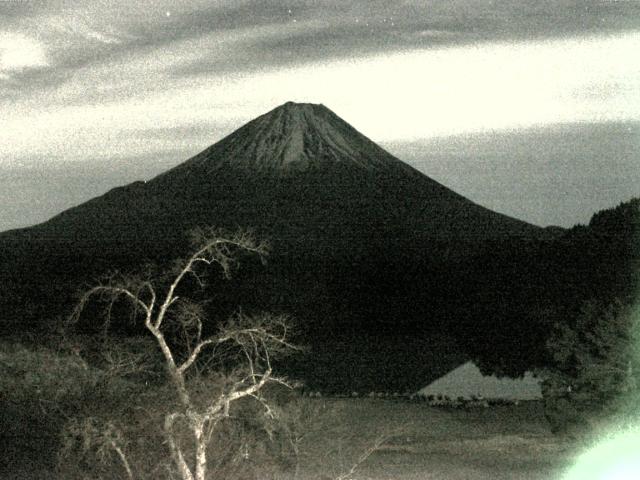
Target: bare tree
[(104, 438), (169, 316)]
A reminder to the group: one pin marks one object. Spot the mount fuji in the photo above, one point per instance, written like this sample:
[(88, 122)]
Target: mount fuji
[(363, 244)]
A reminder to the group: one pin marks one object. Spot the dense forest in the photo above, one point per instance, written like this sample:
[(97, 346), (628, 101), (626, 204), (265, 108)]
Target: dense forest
[(374, 321)]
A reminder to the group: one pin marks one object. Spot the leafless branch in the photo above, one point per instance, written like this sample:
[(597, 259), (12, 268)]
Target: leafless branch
[(368, 451)]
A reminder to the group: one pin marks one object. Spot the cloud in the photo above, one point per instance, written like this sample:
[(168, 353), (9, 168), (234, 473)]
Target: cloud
[(395, 96), (19, 52), (81, 28), (240, 35), (100, 69), (355, 29)]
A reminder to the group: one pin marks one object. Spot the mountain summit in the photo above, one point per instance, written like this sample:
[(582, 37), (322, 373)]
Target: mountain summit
[(293, 137)]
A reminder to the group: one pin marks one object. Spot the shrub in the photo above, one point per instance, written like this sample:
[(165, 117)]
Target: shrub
[(51, 379), (596, 369)]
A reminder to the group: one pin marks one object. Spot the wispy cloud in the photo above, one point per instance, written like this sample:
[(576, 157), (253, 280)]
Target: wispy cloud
[(82, 28), (240, 35), (93, 71), (19, 52), (427, 93)]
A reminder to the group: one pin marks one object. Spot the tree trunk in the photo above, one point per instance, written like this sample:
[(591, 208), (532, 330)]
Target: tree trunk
[(201, 452), (176, 452)]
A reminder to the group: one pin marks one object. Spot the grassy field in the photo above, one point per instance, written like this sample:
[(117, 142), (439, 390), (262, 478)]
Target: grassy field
[(421, 442), (503, 442), (41, 390)]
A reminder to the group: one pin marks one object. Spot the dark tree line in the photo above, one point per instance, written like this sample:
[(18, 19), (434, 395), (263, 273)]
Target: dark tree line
[(498, 306)]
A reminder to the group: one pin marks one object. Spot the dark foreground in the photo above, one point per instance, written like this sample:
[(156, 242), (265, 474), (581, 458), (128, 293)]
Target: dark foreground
[(378, 439), (505, 442)]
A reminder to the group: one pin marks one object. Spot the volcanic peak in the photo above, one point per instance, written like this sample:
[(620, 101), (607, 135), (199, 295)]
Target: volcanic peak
[(293, 137)]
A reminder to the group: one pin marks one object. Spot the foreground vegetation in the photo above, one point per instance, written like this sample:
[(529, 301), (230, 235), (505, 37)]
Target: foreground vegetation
[(61, 418), (193, 399), (87, 407)]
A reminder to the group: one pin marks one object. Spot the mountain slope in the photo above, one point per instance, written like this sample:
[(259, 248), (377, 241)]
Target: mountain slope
[(292, 137), (294, 168)]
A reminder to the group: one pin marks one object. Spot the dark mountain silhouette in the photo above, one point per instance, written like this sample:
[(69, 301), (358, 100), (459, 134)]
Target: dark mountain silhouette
[(295, 171), (368, 253), (517, 291)]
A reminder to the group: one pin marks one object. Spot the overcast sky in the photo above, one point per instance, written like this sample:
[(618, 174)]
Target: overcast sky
[(528, 107)]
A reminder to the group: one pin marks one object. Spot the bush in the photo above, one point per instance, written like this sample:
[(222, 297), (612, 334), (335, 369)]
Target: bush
[(247, 444), (42, 388), (596, 370), (51, 379)]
